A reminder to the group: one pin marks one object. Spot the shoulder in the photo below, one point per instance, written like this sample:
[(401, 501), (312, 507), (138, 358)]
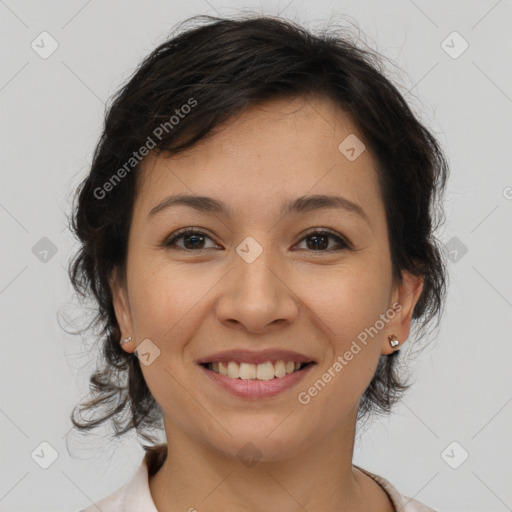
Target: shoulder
[(112, 503), (134, 496), (401, 502)]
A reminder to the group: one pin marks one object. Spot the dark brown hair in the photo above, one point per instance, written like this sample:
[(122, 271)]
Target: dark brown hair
[(222, 66)]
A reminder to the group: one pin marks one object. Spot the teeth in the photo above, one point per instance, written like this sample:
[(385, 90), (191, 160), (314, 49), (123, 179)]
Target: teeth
[(265, 371), (280, 369), (223, 370), (248, 371), (233, 370)]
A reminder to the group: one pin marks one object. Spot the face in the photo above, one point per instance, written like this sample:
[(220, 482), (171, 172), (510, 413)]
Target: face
[(255, 277)]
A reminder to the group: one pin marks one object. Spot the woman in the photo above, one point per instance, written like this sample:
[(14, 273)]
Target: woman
[(257, 230)]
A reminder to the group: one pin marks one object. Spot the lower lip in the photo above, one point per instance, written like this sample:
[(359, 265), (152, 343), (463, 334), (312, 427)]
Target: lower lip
[(253, 388)]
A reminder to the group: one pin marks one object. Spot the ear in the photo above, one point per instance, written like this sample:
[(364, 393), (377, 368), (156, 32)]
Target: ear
[(405, 296), (122, 309)]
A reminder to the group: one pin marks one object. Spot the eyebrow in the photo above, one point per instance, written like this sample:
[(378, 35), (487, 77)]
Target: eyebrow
[(301, 204)]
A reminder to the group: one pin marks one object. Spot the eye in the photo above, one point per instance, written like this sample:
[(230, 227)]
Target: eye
[(319, 238), (193, 239)]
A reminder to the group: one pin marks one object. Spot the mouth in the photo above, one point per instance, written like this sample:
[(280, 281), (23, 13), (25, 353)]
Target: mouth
[(265, 371), (255, 381), (251, 374)]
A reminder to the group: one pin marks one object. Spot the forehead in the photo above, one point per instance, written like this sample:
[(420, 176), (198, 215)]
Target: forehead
[(281, 148)]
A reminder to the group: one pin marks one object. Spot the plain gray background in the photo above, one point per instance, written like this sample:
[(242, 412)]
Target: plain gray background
[(51, 116)]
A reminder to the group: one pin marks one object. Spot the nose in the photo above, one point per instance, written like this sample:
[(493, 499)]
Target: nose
[(256, 297)]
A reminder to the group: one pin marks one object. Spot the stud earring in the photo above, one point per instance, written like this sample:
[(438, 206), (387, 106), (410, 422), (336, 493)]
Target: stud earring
[(126, 340), (393, 341)]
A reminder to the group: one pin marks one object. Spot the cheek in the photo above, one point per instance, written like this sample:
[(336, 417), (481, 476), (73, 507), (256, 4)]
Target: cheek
[(167, 301), (349, 305), (348, 300)]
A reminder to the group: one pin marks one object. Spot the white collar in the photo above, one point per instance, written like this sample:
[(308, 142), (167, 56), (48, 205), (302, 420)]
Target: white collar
[(135, 496)]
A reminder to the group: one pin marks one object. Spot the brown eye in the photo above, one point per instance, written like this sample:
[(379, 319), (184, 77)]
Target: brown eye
[(318, 241), (192, 240)]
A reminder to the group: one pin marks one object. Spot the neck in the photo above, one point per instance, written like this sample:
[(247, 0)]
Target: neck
[(197, 476)]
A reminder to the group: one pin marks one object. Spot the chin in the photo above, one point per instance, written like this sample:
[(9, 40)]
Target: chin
[(263, 444)]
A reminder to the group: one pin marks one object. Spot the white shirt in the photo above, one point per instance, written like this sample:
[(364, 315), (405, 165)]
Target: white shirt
[(135, 496)]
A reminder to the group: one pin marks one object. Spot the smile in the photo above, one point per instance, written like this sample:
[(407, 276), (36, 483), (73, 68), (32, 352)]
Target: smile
[(255, 381), (248, 371)]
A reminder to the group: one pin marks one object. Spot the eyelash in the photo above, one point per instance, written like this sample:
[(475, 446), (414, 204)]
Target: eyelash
[(170, 242)]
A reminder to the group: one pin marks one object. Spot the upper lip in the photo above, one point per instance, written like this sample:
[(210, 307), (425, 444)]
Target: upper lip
[(255, 357)]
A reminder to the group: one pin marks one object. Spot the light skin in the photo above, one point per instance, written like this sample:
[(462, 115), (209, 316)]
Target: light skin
[(293, 296)]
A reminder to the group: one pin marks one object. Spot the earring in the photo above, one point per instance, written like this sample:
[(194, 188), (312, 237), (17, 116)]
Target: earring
[(126, 340), (393, 341)]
